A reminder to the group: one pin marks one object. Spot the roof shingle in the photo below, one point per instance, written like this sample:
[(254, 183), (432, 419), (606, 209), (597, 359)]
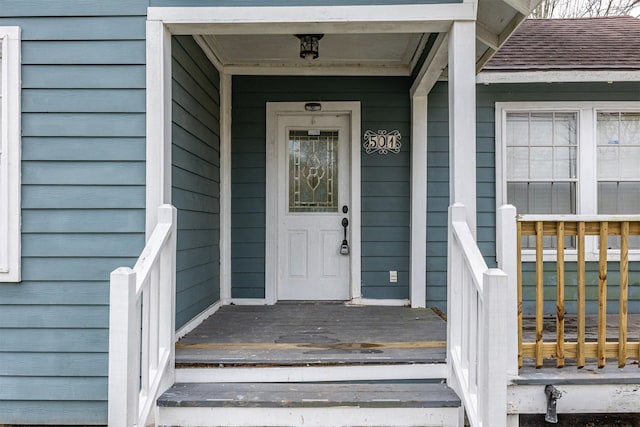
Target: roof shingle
[(605, 43)]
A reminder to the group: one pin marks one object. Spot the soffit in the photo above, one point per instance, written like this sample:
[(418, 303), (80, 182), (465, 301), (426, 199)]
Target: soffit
[(390, 50)]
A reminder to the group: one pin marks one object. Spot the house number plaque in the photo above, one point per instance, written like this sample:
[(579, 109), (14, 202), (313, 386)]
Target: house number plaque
[(383, 142)]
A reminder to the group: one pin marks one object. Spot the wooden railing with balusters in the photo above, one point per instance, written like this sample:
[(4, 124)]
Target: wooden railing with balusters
[(580, 228)]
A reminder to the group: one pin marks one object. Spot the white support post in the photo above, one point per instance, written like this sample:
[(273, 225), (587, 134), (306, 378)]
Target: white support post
[(492, 392), (418, 278), (462, 118), (158, 175), (225, 186), (506, 247), (124, 349)]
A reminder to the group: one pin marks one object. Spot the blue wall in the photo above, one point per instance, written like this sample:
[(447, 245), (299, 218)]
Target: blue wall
[(385, 179), (196, 177), (83, 200)]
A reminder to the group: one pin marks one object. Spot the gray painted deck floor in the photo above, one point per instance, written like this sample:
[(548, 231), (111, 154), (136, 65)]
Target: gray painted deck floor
[(314, 334)]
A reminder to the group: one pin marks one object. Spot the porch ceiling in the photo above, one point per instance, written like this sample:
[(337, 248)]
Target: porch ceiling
[(395, 52)]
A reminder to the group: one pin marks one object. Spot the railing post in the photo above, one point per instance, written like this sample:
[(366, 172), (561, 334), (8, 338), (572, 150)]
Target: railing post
[(457, 212), (124, 348), (492, 390), (455, 266), (506, 247), (168, 214)]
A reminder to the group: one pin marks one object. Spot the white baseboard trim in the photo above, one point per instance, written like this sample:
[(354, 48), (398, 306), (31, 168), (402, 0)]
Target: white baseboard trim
[(417, 371), (384, 302), (196, 321)]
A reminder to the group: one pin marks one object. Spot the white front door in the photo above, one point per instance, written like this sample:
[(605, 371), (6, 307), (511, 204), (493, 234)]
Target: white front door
[(313, 200)]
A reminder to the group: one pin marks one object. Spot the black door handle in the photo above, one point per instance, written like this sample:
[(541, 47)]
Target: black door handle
[(344, 247)]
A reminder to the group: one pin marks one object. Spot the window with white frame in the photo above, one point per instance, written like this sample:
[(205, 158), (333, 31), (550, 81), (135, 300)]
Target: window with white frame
[(570, 158), (9, 154)]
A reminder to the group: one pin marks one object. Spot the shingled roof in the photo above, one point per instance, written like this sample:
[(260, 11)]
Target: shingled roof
[(607, 43)]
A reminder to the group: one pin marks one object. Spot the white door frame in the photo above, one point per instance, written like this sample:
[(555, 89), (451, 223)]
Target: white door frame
[(274, 109)]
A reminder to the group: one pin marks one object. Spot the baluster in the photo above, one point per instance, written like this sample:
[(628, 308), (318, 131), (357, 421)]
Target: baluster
[(602, 295), (581, 296), (560, 297), (539, 293), (624, 294)]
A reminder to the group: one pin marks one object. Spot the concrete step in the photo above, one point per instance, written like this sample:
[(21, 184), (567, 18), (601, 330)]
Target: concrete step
[(309, 404)]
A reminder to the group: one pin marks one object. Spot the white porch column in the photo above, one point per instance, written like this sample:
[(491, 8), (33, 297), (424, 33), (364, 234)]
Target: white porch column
[(158, 174), (418, 273), (225, 186), (462, 117)]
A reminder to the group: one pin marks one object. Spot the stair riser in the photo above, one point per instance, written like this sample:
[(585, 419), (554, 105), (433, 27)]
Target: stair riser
[(310, 417), (434, 371)]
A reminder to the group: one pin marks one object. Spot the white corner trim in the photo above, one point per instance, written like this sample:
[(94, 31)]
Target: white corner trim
[(10, 155), (418, 256), (196, 321), (271, 224), (610, 76), (225, 185)]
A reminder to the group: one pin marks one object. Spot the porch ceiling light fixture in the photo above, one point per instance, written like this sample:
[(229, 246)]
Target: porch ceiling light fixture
[(309, 46)]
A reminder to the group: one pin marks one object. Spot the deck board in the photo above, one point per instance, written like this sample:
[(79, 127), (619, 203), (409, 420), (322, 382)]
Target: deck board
[(309, 395), (315, 334)]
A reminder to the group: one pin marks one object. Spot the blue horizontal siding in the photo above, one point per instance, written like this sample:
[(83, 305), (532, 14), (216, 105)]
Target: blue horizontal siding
[(84, 76), (80, 100), (195, 177), (54, 412), (83, 201), (78, 28), (83, 149), (54, 364)]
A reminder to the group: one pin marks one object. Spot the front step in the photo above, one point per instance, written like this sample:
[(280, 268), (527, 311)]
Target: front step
[(309, 404), (284, 374)]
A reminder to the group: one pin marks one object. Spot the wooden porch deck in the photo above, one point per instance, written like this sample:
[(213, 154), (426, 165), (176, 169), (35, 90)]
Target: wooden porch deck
[(314, 334)]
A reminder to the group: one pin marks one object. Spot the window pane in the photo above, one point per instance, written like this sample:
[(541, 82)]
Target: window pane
[(608, 129), (608, 162), (517, 129), (517, 163), (630, 128), (313, 172), (543, 197), (619, 198), (629, 162), (565, 129), (541, 128), (541, 163), (565, 163)]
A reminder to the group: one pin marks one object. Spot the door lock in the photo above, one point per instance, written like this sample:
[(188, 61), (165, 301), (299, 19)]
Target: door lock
[(344, 247)]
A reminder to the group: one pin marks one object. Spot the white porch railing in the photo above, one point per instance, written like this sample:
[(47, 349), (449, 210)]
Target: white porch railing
[(142, 326), (481, 309)]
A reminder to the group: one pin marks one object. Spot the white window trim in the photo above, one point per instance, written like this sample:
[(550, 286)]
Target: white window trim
[(10, 156), (586, 200)]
